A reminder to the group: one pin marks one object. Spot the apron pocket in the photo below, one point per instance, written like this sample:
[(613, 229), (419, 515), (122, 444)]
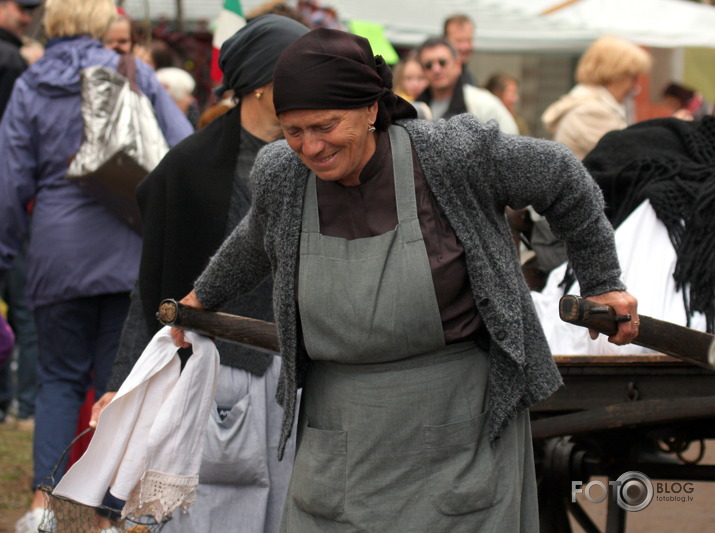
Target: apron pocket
[(233, 453), (462, 468), (319, 472)]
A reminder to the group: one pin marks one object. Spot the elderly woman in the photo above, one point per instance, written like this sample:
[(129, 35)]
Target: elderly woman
[(180, 85), (241, 479), (606, 75), (400, 305), (82, 260)]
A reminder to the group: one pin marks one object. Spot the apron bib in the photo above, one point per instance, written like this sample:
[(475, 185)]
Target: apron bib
[(369, 300), (392, 429)]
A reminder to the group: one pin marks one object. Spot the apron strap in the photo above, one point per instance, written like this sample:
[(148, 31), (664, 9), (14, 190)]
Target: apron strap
[(311, 221), (404, 174)]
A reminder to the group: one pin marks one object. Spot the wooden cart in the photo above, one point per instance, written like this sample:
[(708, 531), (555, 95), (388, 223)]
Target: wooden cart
[(618, 414)]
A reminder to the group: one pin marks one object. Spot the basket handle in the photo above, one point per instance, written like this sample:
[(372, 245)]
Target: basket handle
[(64, 454)]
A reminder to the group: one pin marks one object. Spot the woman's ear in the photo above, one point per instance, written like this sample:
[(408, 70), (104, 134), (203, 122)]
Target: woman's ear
[(372, 112)]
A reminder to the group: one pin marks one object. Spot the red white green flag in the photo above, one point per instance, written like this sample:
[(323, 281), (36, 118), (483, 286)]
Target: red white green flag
[(228, 22)]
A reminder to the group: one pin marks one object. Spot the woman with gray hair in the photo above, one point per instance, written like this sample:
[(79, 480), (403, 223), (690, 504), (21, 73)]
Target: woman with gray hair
[(179, 84), (82, 260)]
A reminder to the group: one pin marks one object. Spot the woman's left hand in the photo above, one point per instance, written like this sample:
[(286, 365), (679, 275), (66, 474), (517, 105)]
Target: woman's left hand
[(623, 303)]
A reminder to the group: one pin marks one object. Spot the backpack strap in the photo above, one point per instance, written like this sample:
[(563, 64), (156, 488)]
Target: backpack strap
[(127, 67)]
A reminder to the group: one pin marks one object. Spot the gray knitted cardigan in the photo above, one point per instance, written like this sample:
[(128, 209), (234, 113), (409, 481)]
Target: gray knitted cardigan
[(474, 171)]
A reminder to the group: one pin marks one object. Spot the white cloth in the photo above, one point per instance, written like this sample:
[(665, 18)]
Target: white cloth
[(648, 261), (149, 440)]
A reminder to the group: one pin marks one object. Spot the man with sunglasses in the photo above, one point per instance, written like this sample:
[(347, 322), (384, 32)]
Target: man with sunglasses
[(15, 17), (447, 96)]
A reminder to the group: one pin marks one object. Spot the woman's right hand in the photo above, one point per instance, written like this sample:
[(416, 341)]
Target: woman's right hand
[(177, 334)]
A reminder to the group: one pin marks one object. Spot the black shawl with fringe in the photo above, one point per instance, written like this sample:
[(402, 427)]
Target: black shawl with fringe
[(671, 163)]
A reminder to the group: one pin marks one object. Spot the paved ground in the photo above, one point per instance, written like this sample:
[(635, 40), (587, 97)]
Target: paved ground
[(696, 516)]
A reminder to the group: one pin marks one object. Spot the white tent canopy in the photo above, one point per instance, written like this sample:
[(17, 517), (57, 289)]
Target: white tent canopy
[(657, 23), (503, 25)]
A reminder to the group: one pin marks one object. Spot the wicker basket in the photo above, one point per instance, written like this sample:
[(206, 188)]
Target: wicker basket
[(63, 515)]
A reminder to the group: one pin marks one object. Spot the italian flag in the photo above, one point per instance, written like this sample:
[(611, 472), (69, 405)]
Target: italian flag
[(228, 22)]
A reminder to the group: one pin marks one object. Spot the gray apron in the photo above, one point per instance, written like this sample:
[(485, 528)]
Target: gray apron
[(392, 431)]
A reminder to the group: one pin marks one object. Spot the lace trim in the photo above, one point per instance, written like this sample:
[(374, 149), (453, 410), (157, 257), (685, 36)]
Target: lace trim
[(159, 494)]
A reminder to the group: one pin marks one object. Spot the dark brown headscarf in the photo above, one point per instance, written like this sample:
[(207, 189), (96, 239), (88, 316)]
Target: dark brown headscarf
[(332, 69)]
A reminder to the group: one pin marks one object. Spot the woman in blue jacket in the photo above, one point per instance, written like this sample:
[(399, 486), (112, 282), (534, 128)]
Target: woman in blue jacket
[(81, 261)]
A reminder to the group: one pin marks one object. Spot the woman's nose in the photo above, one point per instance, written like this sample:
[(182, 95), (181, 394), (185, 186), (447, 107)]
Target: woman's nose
[(312, 144)]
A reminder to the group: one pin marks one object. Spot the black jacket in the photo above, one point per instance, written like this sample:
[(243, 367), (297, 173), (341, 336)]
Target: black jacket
[(11, 65), (185, 203)]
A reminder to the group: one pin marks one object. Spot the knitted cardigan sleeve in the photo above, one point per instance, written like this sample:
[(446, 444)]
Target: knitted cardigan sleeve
[(548, 176), (242, 261), (502, 170), (238, 266)]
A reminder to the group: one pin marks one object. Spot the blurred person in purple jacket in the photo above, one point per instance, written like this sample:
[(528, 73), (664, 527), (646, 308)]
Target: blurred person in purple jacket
[(7, 340), (82, 260)]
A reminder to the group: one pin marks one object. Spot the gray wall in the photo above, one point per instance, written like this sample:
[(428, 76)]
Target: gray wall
[(543, 79)]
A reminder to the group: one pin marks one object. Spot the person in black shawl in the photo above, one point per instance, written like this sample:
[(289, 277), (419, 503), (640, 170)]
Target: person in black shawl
[(194, 198), (670, 162)]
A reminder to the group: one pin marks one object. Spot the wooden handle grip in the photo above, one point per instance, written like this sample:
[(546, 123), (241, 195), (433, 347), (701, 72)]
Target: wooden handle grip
[(251, 332)]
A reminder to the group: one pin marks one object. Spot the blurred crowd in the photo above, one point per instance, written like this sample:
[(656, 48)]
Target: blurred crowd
[(67, 267)]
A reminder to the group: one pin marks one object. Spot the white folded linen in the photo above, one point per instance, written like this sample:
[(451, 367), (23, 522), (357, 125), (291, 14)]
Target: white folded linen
[(148, 443)]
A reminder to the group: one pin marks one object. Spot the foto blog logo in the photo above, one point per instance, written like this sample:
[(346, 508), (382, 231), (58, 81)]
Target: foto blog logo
[(633, 491)]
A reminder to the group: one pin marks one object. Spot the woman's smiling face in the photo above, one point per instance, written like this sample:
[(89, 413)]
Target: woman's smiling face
[(333, 143)]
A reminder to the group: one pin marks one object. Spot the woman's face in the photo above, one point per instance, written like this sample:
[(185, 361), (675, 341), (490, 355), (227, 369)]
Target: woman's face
[(333, 143), (624, 86), (414, 80), (119, 37), (510, 95)]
